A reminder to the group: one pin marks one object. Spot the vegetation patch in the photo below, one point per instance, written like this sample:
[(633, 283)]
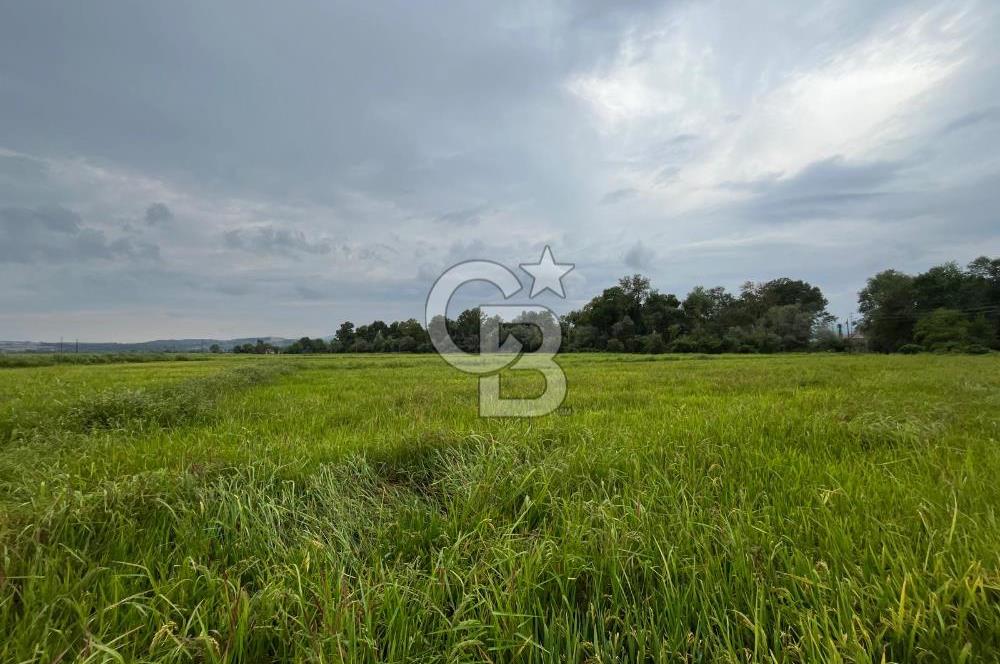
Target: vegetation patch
[(168, 406), (15, 360)]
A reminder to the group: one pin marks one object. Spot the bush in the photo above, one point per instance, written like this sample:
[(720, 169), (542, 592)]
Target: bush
[(976, 349), (942, 330), (684, 344), (911, 349), (653, 344), (360, 346), (828, 340)]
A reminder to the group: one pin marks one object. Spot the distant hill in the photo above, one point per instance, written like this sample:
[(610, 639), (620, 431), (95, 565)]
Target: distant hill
[(158, 346)]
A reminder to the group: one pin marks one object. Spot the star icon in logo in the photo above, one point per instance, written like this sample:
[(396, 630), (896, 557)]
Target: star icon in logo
[(547, 274)]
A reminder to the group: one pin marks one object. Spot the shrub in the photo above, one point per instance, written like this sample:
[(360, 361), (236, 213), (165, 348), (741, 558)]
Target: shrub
[(942, 330), (653, 344), (828, 340), (911, 349), (976, 349), (360, 346), (684, 344)]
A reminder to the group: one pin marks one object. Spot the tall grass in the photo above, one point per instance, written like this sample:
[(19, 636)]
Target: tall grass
[(165, 406), (138, 409), (793, 510), (15, 360)]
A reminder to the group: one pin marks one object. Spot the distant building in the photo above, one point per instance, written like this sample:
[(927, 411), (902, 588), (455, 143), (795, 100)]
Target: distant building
[(856, 340)]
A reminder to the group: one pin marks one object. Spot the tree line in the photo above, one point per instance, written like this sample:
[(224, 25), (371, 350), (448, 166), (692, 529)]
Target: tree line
[(947, 308)]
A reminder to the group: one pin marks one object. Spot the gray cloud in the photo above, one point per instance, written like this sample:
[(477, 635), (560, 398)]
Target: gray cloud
[(830, 187), (619, 195), (465, 217), (53, 219), (827, 175), (972, 119), (639, 256), (313, 294), (21, 168), (234, 288), (157, 214), (683, 139), (419, 138), (56, 234), (272, 239)]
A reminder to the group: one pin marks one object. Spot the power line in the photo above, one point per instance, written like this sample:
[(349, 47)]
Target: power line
[(992, 309)]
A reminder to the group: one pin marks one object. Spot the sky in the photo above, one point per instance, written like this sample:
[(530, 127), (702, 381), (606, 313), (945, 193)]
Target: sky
[(230, 169)]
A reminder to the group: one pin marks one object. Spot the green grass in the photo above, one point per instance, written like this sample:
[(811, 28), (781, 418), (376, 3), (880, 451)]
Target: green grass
[(50, 359), (35, 398), (355, 508)]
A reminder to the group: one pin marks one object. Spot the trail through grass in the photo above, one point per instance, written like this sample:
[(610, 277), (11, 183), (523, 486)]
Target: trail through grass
[(800, 509)]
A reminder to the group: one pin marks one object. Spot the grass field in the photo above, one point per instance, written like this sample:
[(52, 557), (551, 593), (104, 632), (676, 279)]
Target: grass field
[(355, 508)]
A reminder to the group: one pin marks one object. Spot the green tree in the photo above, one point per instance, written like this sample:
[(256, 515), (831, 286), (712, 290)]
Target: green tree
[(662, 314), (345, 334), (887, 304), (942, 329), (941, 287), (465, 329), (791, 323), (653, 344)]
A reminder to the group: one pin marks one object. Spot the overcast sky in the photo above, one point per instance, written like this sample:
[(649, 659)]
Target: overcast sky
[(229, 169)]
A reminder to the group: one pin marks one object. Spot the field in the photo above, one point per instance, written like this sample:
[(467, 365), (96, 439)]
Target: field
[(355, 508)]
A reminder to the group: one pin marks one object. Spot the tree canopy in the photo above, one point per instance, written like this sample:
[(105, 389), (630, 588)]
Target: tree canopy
[(778, 315), (946, 308)]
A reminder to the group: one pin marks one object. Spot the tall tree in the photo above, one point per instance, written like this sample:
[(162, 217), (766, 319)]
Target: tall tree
[(345, 334), (888, 305)]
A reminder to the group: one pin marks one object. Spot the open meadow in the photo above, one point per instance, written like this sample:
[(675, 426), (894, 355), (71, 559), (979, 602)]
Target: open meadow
[(794, 508)]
